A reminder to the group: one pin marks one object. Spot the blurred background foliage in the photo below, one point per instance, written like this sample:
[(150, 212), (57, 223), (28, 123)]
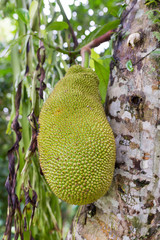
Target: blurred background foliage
[(23, 23)]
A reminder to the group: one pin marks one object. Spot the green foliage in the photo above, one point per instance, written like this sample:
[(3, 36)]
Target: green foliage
[(156, 52), (59, 26), (115, 7), (33, 9), (23, 14), (151, 2), (109, 26), (102, 74), (157, 35), (102, 68), (129, 66), (154, 16)]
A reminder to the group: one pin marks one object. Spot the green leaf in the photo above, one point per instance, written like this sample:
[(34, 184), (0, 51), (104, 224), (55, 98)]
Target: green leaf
[(102, 73), (23, 14), (151, 2), (102, 68), (59, 26), (156, 52), (157, 35), (154, 16), (115, 7), (16, 65), (24, 121), (109, 26), (121, 9), (33, 11), (129, 66), (107, 60), (94, 57)]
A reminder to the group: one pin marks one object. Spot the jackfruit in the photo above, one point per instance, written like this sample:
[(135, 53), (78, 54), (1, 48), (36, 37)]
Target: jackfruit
[(75, 141)]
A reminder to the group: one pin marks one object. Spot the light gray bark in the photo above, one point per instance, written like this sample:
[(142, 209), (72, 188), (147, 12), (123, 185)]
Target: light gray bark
[(131, 208)]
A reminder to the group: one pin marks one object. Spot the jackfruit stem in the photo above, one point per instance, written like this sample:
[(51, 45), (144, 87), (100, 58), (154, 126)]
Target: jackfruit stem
[(85, 53)]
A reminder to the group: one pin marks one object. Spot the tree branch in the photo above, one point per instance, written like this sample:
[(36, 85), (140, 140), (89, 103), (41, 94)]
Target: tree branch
[(69, 24), (96, 42), (86, 50)]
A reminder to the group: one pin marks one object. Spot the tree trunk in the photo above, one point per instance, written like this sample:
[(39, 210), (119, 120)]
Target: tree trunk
[(131, 209)]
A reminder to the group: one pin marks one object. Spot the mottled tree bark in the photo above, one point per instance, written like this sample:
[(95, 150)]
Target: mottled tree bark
[(131, 208)]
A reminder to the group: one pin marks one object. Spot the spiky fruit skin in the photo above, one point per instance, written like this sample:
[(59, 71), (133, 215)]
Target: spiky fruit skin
[(75, 141)]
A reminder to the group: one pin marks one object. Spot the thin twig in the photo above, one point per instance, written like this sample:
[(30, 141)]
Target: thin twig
[(141, 59), (69, 24), (70, 53)]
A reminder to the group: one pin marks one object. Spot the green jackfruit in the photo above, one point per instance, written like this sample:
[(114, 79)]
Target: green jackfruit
[(75, 141)]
